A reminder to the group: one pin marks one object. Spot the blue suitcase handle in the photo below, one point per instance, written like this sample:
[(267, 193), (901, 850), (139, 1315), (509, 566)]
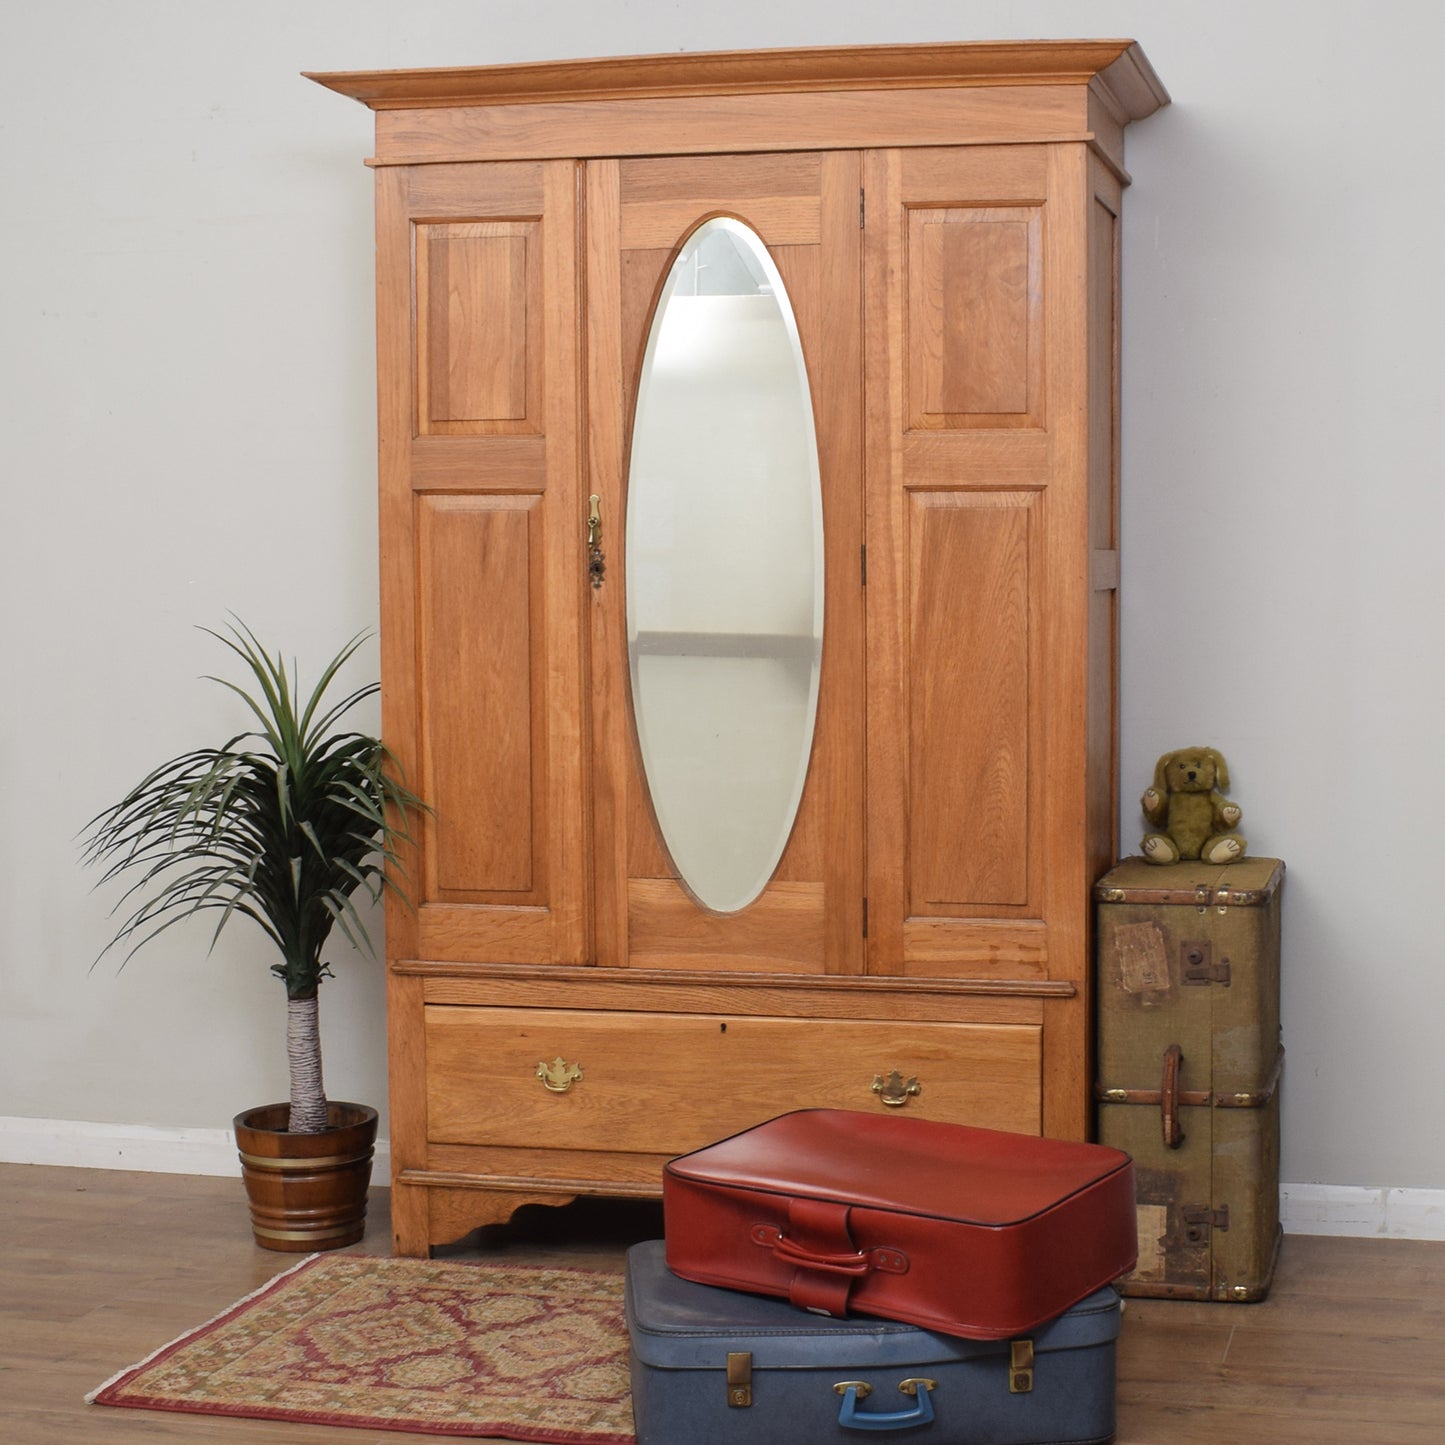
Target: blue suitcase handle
[(850, 1417)]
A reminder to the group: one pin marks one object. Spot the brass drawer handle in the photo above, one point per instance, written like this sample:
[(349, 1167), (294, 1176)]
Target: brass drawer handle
[(559, 1075), (893, 1090)]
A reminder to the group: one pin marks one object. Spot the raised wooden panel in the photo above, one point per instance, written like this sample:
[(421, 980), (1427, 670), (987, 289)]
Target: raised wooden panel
[(482, 756), (969, 699), (663, 1084), (975, 318), (478, 342)]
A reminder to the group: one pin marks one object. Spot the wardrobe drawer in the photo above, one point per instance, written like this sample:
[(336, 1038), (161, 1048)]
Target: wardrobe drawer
[(665, 1083)]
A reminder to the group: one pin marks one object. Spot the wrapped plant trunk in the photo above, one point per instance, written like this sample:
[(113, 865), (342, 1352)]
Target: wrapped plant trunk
[(281, 824), (303, 1055)]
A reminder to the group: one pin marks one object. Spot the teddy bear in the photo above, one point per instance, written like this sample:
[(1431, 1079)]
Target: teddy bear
[(1188, 808)]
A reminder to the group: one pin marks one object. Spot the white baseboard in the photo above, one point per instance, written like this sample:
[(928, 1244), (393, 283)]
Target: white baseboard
[(1340, 1209), (1345, 1209), (146, 1148)]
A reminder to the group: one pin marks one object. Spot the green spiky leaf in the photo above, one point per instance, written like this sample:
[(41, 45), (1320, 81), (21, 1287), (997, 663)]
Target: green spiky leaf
[(279, 825)]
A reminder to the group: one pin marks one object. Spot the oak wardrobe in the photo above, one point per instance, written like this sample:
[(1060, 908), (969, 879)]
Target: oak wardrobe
[(748, 432)]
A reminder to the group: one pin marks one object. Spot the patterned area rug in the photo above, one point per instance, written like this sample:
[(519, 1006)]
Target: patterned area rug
[(513, 1351)]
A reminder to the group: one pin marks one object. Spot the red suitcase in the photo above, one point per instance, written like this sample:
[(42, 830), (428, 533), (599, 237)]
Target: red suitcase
[(969, 1232)]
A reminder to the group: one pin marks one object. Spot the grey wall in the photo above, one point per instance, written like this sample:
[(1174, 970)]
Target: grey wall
[(186, 414)]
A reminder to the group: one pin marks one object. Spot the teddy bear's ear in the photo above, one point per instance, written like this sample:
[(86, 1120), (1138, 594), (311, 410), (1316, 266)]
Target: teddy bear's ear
[(1161, 772), (1221, 770)]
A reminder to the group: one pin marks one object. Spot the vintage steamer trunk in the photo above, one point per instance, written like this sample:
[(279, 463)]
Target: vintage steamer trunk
[(1189, 1063), (716, 1367)]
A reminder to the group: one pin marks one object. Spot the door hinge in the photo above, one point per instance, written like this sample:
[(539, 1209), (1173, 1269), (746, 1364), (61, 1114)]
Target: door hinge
[(862, 208), (1197, 966), (865, 918), (863, 564), (1199, 1220)]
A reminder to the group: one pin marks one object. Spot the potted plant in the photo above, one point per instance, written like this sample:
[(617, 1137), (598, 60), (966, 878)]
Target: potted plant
[(281, 825)]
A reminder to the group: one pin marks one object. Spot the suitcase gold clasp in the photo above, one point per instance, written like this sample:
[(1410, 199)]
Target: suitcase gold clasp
[(740, 1379), (1021, 1367)]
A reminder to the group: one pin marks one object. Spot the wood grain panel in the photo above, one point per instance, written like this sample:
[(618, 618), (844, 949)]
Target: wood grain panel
[(782, 930), (479, 464), (969, 652), (755, 123), (480, 767), (978, 458), (478, 326), (791, 221), (975, 948), (657, 1083), (937, 178), (975, 317), (509, 191), (447, 933), (985, 354), (778, 195)]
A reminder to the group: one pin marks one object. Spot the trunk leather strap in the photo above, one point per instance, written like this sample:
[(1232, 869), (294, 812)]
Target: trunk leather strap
[(1169, 1097)]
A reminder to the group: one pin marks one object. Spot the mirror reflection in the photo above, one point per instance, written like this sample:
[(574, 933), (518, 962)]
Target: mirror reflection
[(724, 549)]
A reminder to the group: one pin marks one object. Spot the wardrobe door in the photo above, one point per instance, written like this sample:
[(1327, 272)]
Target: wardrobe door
[(979, 600), (807, 917), (477, 298)]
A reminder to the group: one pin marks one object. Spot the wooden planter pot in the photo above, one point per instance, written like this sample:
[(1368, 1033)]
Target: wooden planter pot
[(307, 1191)]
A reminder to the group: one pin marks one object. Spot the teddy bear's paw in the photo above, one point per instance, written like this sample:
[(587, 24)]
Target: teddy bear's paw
[(1224, 850), (1160, 849), (1230, 813)]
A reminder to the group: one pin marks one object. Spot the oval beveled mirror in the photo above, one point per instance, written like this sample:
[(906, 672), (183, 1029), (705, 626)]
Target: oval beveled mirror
[(724, 564)]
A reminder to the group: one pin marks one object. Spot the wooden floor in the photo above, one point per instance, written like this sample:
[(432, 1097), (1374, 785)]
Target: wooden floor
[(98, 1269)]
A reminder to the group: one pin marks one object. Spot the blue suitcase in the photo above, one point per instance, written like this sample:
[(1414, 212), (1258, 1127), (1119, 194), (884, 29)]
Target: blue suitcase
[(717, 1367)]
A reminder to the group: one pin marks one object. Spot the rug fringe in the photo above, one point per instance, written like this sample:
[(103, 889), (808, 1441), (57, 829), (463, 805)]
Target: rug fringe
[(119, 1375)]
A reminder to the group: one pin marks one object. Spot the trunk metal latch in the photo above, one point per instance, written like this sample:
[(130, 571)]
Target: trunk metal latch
[(1199, 1220), (1196, 965)]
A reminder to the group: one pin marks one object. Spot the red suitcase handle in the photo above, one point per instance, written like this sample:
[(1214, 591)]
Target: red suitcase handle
[(855, 1263), (792, 1253)]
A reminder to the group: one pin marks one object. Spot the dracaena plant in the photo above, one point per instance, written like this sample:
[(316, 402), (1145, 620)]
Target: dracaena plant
[(282, 825)]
